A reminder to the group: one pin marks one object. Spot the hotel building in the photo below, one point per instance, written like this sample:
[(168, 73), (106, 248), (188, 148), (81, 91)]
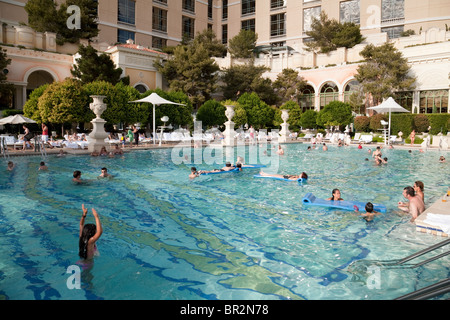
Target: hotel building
[(419, 29)]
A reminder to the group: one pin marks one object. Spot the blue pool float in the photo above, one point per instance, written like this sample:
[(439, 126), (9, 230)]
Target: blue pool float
[(310, 200), (299, 180), (218, 172)]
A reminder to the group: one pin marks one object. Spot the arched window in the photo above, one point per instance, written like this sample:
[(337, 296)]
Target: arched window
[(328, 93), (307, 98), (141, 88)]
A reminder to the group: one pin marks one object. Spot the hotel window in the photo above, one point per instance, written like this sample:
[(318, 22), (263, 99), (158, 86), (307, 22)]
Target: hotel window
[(224, 9), (274, 4), (308, 15), (159, 21), (224, 33), (248, 25), (210, 9), (189, 5), (349, 11), (162, 1), (392, 11), (124, 35), (278, 24), (248, 6), (328, 93), (126, 11), (434, 101), (159, 42), (188, 27), (393, 32)]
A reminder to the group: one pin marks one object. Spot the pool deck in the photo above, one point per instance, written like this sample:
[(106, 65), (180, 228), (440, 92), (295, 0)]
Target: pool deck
[(438, 207)]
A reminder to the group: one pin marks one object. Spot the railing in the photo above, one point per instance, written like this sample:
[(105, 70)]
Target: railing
[(4, 148)]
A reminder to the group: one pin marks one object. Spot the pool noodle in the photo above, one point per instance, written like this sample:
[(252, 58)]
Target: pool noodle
[(310, 200), (299, 180)]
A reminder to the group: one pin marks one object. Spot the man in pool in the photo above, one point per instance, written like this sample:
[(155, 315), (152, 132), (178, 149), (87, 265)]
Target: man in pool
[(228, 167), (105, 174), (415, 206)]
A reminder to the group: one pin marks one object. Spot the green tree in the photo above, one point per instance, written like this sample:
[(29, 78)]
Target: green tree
[(192, 71), (64, 102), (383, 72), (43, 15), (211, 43), (88, 21), (94, 67), (6, 89), (247, 78), (288, 85), (328, 34), (243, 44), (259, 114), (117, 99), (308, 119), (31, 108), (336, 113), (295, 113), (211, 113)]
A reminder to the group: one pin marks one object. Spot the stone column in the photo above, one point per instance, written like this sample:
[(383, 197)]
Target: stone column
[(98, 134)]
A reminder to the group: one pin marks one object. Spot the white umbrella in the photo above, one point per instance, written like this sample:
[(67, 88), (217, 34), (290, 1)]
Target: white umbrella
[(16, 119), (155, 99), (389, 105)]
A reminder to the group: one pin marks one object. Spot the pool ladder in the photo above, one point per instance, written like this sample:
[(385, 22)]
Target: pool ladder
[(39, 147), (434, 290), (4, 148)]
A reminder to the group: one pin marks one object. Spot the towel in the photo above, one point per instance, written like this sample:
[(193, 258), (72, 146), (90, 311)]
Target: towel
[(440, 220)]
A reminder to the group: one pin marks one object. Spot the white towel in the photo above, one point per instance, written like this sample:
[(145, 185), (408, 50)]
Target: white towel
[(440, 220)]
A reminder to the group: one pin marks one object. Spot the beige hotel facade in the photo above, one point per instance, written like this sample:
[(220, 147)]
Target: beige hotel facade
[(281, 27)]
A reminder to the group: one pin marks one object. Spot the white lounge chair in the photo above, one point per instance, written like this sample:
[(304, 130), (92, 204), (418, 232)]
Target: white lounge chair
[(366, 138)]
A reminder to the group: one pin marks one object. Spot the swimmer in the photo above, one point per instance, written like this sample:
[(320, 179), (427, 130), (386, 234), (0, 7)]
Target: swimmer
[(441, 159), (368, 216), (104, 174), (42, 166), (77, 177), (280, 151), (228, 167), (89, 234), (335, 195), (325, 147), (194, 173), (302, 175), (10, 166), (415, 206)]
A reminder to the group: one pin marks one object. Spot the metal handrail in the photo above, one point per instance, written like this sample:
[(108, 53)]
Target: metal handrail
[(431, 291)]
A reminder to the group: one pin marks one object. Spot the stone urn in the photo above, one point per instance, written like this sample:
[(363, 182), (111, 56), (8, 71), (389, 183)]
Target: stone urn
[(98, 105), (97, 136), (284, 133), (229, 132)]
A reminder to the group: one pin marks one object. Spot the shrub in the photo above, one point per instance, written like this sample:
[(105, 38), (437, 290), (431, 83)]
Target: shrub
[(375, 121), (421, 123), (362, 123)]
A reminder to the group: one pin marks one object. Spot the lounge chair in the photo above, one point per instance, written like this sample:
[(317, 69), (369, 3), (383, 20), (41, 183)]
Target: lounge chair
[(366, 138)]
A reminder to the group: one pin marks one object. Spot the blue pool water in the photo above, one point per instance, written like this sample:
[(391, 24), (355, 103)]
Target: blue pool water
[(226, 236)]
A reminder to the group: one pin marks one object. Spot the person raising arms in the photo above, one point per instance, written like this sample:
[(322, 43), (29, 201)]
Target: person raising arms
[(89, 234)]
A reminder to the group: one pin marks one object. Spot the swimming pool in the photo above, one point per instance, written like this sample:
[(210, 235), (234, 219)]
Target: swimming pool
[(226, 236)]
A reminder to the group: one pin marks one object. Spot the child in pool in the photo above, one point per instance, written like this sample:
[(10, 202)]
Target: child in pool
[(89, 234), (368, 216)]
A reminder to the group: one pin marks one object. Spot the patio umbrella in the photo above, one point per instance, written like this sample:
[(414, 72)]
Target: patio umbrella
[(389, 105), (155, 100), (16, 119)]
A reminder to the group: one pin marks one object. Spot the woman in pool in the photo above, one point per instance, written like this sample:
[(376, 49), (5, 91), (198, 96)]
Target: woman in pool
[(335, 195), (89, 234), (302, 175)]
